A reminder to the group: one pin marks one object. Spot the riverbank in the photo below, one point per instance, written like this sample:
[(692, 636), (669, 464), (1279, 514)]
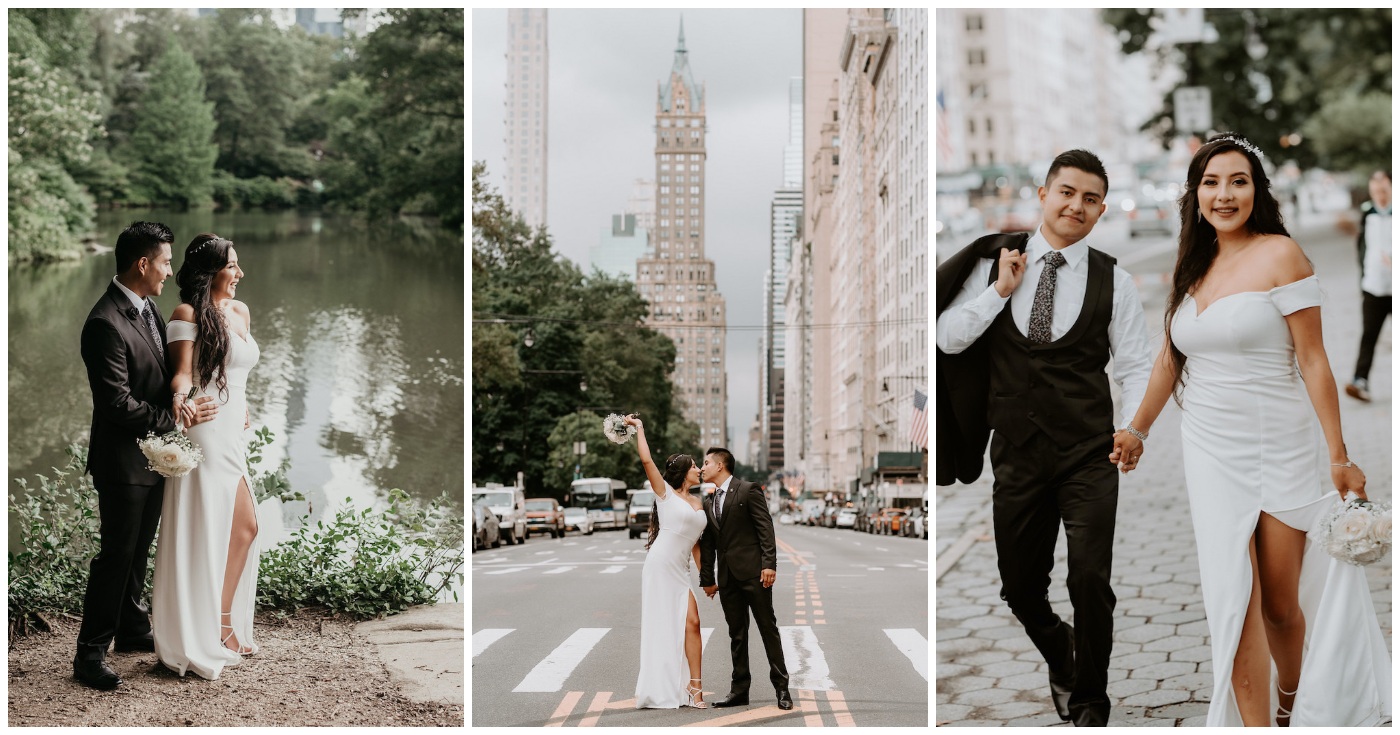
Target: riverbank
[(312, 671)]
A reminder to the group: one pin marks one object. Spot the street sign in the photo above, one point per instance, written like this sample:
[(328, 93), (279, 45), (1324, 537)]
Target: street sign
[(1192, 109), (1182, 25)]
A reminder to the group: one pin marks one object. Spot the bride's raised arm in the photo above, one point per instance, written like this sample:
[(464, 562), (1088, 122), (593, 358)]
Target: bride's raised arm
[(658, 485)]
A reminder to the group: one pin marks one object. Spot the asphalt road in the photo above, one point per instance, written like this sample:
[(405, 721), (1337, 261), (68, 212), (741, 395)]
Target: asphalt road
[(555, 634)]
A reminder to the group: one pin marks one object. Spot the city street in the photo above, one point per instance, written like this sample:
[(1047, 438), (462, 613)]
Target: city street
[(989, 673), (555, 634)]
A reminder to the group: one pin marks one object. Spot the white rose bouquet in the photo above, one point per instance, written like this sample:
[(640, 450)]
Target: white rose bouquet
[(1356, 531), (617, 430), (171, 454)]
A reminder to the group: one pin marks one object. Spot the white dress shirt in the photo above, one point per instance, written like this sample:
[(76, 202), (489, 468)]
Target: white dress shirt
[(723, 488), (1375, 271), (977, 305), (136, 301)]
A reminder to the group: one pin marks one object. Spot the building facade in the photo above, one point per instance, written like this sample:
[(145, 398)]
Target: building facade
[(619, 247), (676, 277), (527, 114)]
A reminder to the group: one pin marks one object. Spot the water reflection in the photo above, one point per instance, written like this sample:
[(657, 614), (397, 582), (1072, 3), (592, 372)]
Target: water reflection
[(362, 370)]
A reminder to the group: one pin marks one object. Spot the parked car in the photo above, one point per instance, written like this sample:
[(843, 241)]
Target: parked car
[(1151, 216), (486, 530), (889, 521), (545, 515), (785, 519), (829, 516), (846, 518), (508, 503), (639, 514), (576, 519), (913, 525)]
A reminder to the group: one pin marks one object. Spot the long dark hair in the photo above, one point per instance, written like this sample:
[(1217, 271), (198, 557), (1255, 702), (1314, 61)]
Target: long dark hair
[(206, 255), (677, 467), (1197, 245)]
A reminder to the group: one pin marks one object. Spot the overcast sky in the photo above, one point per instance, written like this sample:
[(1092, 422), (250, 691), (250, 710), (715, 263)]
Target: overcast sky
[(604, 66)]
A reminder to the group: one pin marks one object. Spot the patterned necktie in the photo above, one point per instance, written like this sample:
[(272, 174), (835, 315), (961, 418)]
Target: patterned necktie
[(150, 315), (1043, 308), (719, 504)]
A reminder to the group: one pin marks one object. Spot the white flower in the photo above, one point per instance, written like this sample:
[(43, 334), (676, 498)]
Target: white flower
[(1353, 525), (1380, 528), (617, 430)]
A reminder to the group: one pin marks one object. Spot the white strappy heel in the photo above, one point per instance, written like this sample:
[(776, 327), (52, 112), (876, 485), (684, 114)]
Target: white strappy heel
[(224, 642), (1284, 714), (695, 692)]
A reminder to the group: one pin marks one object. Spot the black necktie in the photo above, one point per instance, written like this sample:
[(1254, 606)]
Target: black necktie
[(1043, 308), (150, 314)]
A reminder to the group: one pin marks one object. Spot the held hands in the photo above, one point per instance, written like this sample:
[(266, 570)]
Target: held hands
[(768, 576), (1349, 478), (710, 591), (1126, 451), (1010, 269), (198, 411)]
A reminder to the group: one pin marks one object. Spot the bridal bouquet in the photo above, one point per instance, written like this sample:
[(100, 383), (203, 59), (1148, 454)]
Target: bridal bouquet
[(1356, 531), (170, 455), (617, 430)]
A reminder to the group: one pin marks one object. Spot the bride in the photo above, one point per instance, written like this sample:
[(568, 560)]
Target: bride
[(1244, 347), (671, 644), (206, 563)]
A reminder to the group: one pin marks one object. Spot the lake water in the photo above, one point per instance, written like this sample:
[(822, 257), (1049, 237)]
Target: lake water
[(361, 376)]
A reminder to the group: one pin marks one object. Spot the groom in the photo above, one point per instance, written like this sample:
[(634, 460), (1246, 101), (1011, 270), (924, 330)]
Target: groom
[(740, 534), (1027, 323), (123, 347)]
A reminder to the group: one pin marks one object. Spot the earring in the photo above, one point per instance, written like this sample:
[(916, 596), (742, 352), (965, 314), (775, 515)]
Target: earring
[(1199, 217)]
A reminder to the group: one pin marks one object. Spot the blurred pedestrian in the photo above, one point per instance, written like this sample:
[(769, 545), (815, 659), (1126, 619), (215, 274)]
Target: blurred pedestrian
[(1025, 333), (1373, 249)]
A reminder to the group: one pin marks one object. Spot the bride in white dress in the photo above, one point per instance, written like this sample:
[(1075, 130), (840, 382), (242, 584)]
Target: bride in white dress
[(1258, 403), (671, 645), (206, 569)]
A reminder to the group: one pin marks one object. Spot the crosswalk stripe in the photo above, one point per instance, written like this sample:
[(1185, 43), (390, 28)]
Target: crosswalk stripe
[(482, 639), (613, 569), (913, 645), (807, 668), (560, 570), (705, 637), (549, 675)]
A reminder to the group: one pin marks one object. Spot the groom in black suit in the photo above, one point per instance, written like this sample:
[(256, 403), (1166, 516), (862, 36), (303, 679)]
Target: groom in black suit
[(739, 536), (123, 347)]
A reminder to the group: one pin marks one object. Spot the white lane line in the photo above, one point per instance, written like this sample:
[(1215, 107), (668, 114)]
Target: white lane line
[(508, 571), (705, 637), (913, 645), (595, 546), (806, 663), (613, 569), (560, 570), (482, 639), (875, 569), (550, 674)]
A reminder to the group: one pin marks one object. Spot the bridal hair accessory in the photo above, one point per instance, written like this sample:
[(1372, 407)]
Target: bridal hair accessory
[(170, 455), (1356, 531), (617, 429), (1241, 142)]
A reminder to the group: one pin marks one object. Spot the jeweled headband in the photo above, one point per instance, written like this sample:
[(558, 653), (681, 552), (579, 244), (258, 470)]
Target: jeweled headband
[(1241, 142)]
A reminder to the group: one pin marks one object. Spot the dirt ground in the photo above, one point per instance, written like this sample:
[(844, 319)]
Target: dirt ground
[(312, 670)]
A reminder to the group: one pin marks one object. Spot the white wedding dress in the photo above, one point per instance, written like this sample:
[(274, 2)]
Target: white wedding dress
[(196, 520), (667, 578), (1252, 442)]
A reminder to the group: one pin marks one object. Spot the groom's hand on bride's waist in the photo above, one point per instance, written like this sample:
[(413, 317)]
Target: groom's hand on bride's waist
[(204, 409)]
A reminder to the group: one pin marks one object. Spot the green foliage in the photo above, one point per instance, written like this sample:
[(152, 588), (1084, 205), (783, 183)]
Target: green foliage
[(48, 210), (1353, 132), (366, 563), (259, 192), (174, 158), (1304, 62), (58, 531), (527, 399)]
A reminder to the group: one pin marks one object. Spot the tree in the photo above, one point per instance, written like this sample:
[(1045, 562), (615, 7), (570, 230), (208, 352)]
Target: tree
[(172, 146), (1274, 70)]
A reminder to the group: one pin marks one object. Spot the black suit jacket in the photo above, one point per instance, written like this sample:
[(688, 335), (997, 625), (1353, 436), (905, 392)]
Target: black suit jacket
[(744, 544), (130, 389), (963, 380)]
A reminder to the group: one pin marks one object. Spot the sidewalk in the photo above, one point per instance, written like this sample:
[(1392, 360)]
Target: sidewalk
[(423, 648), (989, 673)]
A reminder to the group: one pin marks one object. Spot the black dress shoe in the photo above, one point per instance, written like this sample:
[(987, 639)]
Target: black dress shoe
[(1061, 686), (784, 700), (96, 674), (1092, 716), (733, 700), (135, 644)]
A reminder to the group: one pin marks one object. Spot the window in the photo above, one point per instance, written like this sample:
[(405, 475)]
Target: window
[(665, 156), (695, 156), (665, 179), (665, 122), (977, 91), (971, 127), (695, 212), (695, 133), (665, 167), (976, 57), (694, 167), (665, 190), (974, 22), (694, 190)]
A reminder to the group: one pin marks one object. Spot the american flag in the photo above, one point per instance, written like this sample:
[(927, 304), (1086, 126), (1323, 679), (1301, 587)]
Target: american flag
[(945, 143), (918, 433)]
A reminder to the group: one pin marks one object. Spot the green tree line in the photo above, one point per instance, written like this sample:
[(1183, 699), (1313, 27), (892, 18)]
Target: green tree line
[(553, 352), (135, 108)]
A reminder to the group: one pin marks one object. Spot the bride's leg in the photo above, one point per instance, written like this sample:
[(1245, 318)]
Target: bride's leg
[(693, 643), (240, 540), (1280, 565), (1250, 675)]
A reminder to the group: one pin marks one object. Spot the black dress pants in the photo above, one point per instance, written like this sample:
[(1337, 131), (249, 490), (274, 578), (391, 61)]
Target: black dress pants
[(1374, 311), (112, 606), (1037, 487), (738, 598)]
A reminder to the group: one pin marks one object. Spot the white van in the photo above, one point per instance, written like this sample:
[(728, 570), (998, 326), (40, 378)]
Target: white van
[(508, 503)]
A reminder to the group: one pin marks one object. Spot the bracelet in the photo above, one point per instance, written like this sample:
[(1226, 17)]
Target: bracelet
[(1142, 437), (1348, 463)]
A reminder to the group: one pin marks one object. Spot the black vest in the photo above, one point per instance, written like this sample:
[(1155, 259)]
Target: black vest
[(1059, 388)]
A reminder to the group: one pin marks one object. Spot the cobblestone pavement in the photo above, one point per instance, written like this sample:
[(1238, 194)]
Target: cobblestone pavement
[(989, 672)]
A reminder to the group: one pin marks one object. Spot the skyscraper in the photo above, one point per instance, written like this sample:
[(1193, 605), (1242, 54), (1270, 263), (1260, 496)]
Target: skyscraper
[(619, 247), (785, 216), (527, 113), (677, 278)]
